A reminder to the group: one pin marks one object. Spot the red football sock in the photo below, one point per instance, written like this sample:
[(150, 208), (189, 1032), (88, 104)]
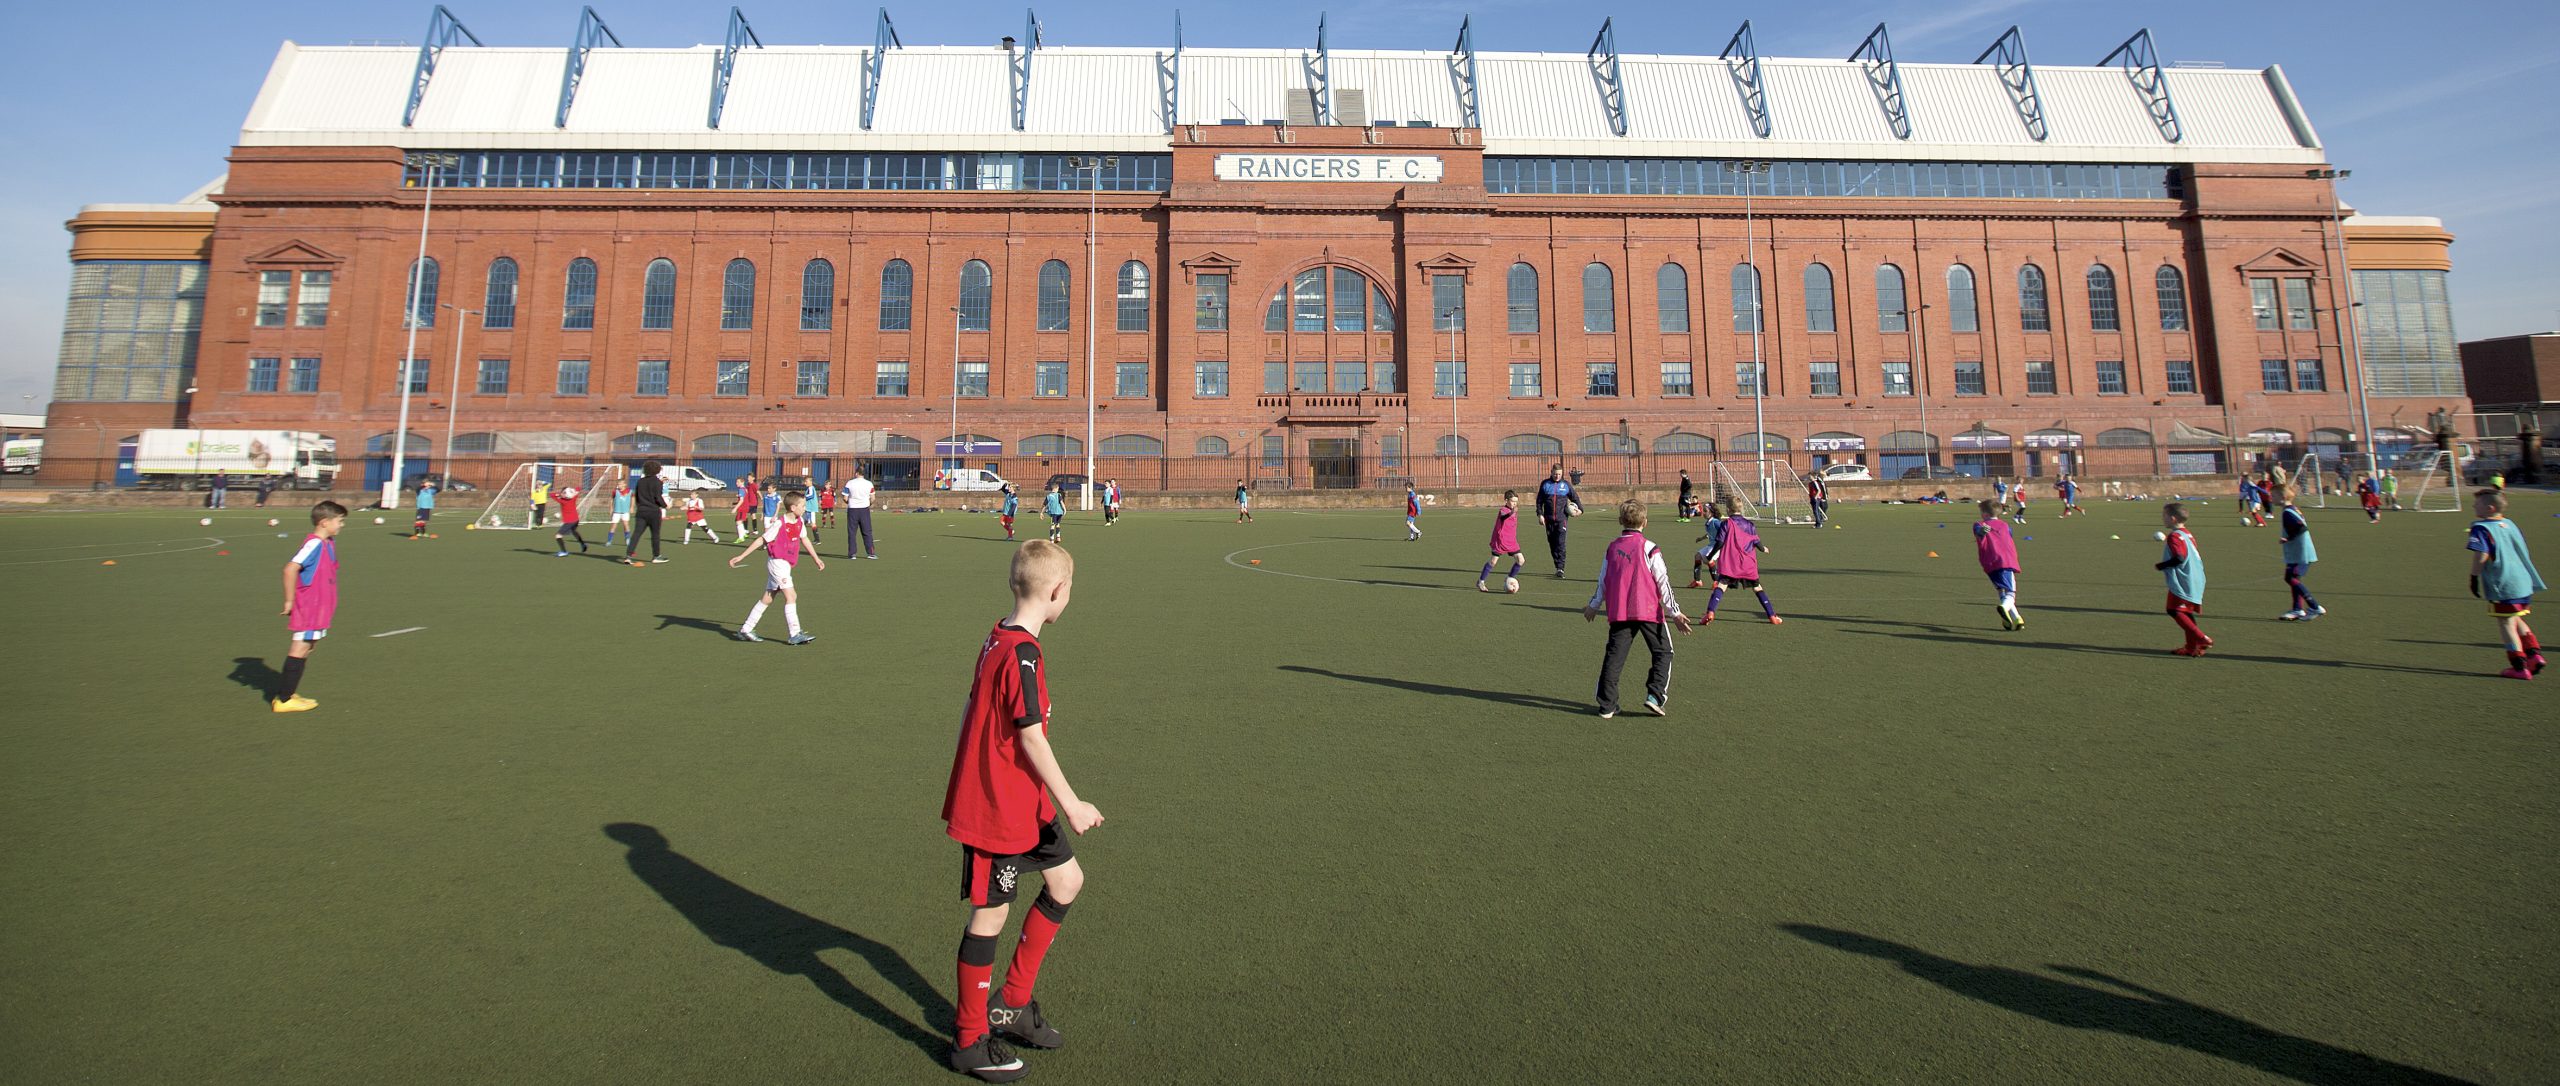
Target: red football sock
[(2531, 644), (977, 969), (1038, 931), (2187, 622)]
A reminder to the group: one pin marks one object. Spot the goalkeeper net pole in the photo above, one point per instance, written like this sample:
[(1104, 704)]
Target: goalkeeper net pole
[(512, 507), (2439, 486), (1740, 481), (2310, 484)]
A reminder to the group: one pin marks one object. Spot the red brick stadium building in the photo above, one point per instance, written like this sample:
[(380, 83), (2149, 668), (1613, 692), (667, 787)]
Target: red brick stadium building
[(1316, 268)]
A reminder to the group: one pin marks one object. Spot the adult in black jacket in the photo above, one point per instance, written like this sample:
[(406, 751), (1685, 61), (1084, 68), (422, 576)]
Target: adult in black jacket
[(648, 513), (1557, 500)]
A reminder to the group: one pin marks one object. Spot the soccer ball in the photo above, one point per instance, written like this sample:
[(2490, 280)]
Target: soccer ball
[(271, 522), (1511, 585), (206, 521), (2159, 537), (377, 520)]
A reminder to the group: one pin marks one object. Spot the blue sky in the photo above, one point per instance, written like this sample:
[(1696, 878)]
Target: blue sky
[(2439, 109)]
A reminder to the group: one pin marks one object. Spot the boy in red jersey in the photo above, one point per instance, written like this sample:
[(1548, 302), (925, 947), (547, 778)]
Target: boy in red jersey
[(568, 496), (1005, 804)]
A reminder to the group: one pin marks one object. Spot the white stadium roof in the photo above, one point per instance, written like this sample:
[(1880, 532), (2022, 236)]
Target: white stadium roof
[(947, 98)]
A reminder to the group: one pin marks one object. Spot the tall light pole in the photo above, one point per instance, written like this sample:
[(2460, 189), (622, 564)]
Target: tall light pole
[(959, 456), (427, 164), (1093, 166), (2343, 317), (1450, 318), (1759, 371), (453, 405)]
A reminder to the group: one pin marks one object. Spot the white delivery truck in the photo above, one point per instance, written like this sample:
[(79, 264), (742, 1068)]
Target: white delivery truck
[(185, 458), (967, 479), (23, 454), (688, 477)]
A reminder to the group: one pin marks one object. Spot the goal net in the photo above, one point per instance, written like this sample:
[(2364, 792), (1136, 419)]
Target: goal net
[(2439, 487), (512, 507), (1783, 503)]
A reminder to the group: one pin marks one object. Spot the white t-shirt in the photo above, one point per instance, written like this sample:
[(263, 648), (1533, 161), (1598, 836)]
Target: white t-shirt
[(857, 493)]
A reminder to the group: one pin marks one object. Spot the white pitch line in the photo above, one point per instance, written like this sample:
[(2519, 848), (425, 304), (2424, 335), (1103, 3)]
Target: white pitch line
[(396, 633), (160, 547)]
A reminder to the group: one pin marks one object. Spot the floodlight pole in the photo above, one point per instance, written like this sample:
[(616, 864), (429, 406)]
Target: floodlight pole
[(1759, 370), (1093, 165), (2344, 316), (409, 358), (956, 454), (454, 406)]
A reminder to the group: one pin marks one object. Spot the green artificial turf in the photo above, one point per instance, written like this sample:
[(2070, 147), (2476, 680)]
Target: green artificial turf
[(1362, 824)]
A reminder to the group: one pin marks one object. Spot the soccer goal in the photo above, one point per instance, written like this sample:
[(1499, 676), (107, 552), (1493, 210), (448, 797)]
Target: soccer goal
[(1740, 481), (512, 508), (2439, 485)]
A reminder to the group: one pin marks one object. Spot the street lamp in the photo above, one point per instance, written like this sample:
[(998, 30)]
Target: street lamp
[(2344, 317), (1759, 372), (1450, 318), (453, 406), (958, 458), (1094, 166), (426, 164)]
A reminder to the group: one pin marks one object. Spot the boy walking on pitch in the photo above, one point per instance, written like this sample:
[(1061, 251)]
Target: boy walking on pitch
[(1054, 506), (827, 507), (2184, 565), (2369, 495), (1244, 503), (426, 507), (2018, 502), (693, 518), (2069, 491), (1688, 497), (1412, 514), (2502, 573), (1999, 555), (1635, 592), (1012, 505), (1506, 543), (310, 601), (569, 495), (2295, 531), (1713, 537), (1737, 563), (1007, 804), (781, 541)]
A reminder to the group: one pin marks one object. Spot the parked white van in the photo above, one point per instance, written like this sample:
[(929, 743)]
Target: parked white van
[(967, 479), (688, 477)]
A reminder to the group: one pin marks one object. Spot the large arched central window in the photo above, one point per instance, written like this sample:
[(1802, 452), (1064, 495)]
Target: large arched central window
[(498, 303), (1819, 316), (1133, 297), (977, 296), (578, 297), (658, 295), (1599, 298), (1522, 299), (2033, 315), (738, 296), (1332, 298), (2102, 299), (1055, 285), (817, 296), (1671, 298)]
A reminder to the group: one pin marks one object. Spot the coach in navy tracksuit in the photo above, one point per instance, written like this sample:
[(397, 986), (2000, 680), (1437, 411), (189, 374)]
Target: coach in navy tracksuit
[(1556, 501)]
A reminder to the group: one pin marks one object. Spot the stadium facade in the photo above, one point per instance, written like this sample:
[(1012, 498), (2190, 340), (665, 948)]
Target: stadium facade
[(1315, 267)]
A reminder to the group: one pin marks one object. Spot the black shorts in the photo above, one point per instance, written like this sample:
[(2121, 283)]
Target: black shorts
[(1731, 583), (987, 879)]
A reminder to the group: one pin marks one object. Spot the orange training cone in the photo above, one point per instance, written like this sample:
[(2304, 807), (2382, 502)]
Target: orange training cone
[(108, 562), (1933, 554)]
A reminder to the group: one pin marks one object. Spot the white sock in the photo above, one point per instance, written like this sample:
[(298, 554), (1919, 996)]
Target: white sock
[(791, 617), (753, 617)]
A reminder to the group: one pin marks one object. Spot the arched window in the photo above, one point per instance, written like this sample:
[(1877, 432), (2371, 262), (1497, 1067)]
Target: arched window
[(1962, 315), (1671, 298), (658, 295), (1521, 290), (1819, 315), (2033, 315), (1350, 301), (738, 296), (380, 444), (1599, 298), (1605, 445), (1893, 312), (1382, 318), (2102, 299), (498, 303), (1756, 444), (897, 294), (637, 444), (2125, 437), (1056, 283), (817, 296), (1049, 445), (1128, 445), (902, 445), (578, 297), (2172, 288), (726, 445), (977, 296), (1449, 445), (1746, 298), (1209, 446), (422, 292), (481, 441), (1133, 297), (1682, 441), (1532, 445)]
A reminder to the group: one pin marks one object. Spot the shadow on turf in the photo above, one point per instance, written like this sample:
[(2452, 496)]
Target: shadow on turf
[(2131, 1010), (780, 938), (1946, 634), (691, 622), (253, 672), (1525, 701)]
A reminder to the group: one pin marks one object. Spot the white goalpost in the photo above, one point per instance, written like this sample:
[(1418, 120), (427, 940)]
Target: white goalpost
[(2440, 485), (512, 508), (1740, 481)]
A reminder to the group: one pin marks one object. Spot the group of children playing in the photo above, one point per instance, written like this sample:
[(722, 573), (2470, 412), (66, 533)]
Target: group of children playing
[(1053, 505)]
